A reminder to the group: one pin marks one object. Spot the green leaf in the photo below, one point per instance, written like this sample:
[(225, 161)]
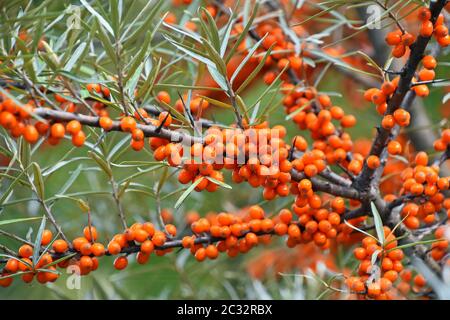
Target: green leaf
[(10, 221), (192, 52), (255, 71), (243, 33), (25, 152), (378, 223), (102, 163), (10, 189), (215, 102), (247, 57), (226, 36), (145, 26), (211, 29), (115, 16), (38, 180), (187, 192), (218, 77), (102, 20), (220, 183), (75, 56), (187, 33), (37, 241), (107, 45), (359, 230)]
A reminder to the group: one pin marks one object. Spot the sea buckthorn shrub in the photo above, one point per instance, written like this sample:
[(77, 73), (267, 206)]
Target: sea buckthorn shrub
[(181, 133)]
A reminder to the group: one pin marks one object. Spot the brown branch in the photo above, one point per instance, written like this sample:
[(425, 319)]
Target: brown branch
[(92, 121), (380, 142)]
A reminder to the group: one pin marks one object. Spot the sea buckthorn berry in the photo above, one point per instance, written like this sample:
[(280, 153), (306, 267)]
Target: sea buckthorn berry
[(57, 131), (394, 147), (211, 252), (137, 135), (94, 87), (120, 263), (166, 118), (46, 237), (106, 123), (12, 265), (419, 280), (424, 14), (200, 254), (426, 29), (429, 62), (393, 38), (399, 51), (402, 117), (25, 251), (388, 122), (90, 233), (114, 248), (163, 96), (73, 127), (78, 139), (97, 249), (360, 253), (373, 162), (31, 134), (147, 247), (426, 75), (60, 246), (128, 124)]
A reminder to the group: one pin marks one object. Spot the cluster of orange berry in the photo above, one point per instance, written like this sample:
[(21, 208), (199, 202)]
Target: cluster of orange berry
[(44, 269), (424, 183), (443, 142), (402, 40), (379, 267)]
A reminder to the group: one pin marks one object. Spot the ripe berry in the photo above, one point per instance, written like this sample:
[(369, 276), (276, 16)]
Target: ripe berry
[(121, 263)]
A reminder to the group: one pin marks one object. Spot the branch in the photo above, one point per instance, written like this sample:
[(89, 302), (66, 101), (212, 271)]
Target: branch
[(417, 51)]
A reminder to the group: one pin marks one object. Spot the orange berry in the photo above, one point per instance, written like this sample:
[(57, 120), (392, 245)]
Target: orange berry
[(429, 62), (114, 248), (163, 96), (373, 162), (360, 253), (120, 263), (31, 134), (106, 123), (426, 29), (211, 252), (25, 251), (166, 117), (128, 124), (57, 131), (78, 139), (147, 247), (90, 233), (60, 246), (394, 147), (46, 237)]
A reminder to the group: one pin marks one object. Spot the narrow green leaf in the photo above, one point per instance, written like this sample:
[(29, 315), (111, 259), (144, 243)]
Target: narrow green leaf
[(247, 57), (220, 183), (255, 71), (38, 180), (378, 223), (75, 56), (37, 241), (10, 221), (102, 163), (187, 192), (102, 20)]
